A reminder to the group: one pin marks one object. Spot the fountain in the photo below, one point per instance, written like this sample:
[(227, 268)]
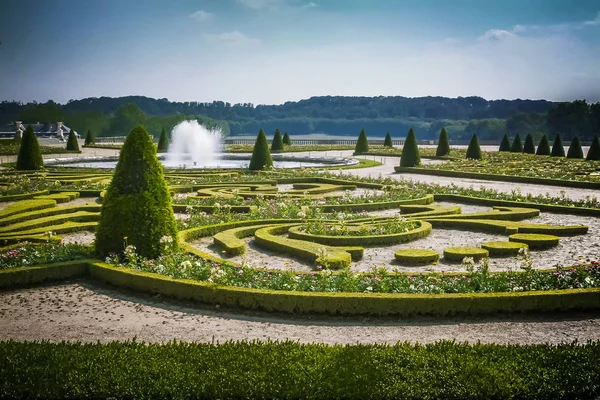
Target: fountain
[(193, 144)]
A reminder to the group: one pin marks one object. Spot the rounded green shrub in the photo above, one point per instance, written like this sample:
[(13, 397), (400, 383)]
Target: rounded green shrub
[(517, 146), (535, 240), (458, 253), (261, 156), (416, 256), (277, 144), (505, 143), (362, 144), (287, 140), (443, 147), (89, 138), (594, 151), (544, 147), (501, 249), (30, 154), (410, 151), (558, 149), (575, 150), (136, 209), (474, 151), (163, 142), (388, 141), (72, 144), (529, 146)]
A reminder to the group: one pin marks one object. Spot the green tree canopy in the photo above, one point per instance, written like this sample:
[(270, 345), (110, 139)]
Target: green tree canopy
[(410, 151), (89, 138), (261, 156), (163, 142), (287, 140), (474, 151), (72, 143), (443, 147), (517, 146), (362, 144), (277, 145), (544, 147), (529, 146), (558, 149), (575, 150), (594, 151), (30, 154), (388, 140), (505, 143), (137, 207)]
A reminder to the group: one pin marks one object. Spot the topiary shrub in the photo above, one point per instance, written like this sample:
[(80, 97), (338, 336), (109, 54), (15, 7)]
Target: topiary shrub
[(163, 142), (362, 144), (286, 139), (529, 146), (416, 256), (261, 156), (517, 146), (72, 144), (388, 141), (443, 147), (277, 144), (30, 154), (575, 150), (558, 149), (502, 249), (535, 240), (136, 209), (410, 151), (474, 151), (594, 151), (89, 138), (459, 253), (544, 147), (505, 143)]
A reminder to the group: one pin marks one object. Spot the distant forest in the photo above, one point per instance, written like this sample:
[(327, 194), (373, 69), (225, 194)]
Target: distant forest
[(335, 115)]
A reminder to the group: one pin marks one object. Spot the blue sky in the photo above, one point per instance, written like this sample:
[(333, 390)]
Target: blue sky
[(272, 51)]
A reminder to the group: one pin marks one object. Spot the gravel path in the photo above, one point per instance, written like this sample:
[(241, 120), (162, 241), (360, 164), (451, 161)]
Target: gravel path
[(90, 312)]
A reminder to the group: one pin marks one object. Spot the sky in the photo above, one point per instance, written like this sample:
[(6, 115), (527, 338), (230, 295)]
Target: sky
[(273, 51)]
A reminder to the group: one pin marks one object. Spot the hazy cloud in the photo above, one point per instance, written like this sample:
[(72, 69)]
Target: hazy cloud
[(202, 16), (259, 4), (312, 4), (496, 34), (559, 27), (233, 37)]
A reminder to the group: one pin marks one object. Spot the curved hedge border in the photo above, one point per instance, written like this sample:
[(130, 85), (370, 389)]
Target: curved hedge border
[(24, 206), (495, 177), (416, 256), (506, 227), (25, 196), (419, 232), (501, 249), (231, 239), (458, 253), (384, 205), (535, 241), (499, 212)]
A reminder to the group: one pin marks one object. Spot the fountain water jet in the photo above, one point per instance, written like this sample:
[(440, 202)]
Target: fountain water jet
[(191, 143)]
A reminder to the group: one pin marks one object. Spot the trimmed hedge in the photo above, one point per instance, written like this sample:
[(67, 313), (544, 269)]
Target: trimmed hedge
[(416, 256), (277, 144), (362, 144), (575, 150), (535, 241), (594, 151), (231, 241), (410, 152), (423, 230), (25, 206), (89, 138), (383, 205), (506, 227), (557, 148), (544, 147), (387, 142), (27, 276), (163, 141), (529, 146), (501, 249), (287, 140), (78, 216), (459, 253), (46, 212), (261, 156), (24, 196), (517, 146), (30, 154), (474, 151), (505, 143), (59, 197), (499, 212), (443, 147), (72, 143)]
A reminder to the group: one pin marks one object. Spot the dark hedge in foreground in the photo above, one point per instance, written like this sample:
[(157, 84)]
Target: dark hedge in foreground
[(292, 370)]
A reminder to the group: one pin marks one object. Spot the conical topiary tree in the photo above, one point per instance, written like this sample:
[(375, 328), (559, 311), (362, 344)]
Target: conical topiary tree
[(594, 151), (529, 146), (89, 138), (388, 141), (443, 147), (558, 149), (72, 144), (575, 150), (505, 143), (163, 141), (544, 147), (410, 151), (286, 139), (517, 146), (277, 144), (474, 151), (362, 144), (261, 156), (30, 154), (136, 209)]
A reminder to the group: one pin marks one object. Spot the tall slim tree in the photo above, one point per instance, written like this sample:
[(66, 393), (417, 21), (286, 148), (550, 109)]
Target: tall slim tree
[(72, 143), (558, 149), (443, 147), (575, 150), (89, 138), (594, 151), (388, 141), (529, 146), (30, 154), (474, 151), (286, 139), (277, 145), (544, 147), (261, 156), (410, 151), (517, 146), (505, 143), (137, 207), (362, 144), (163, 141)]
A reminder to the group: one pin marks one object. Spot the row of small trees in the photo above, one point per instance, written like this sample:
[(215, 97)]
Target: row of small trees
[(543, 149), (30, 154)]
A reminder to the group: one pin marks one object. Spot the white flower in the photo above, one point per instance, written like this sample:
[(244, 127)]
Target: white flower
[(185, 265), (166, 239), (369, 289), (301, 214)]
